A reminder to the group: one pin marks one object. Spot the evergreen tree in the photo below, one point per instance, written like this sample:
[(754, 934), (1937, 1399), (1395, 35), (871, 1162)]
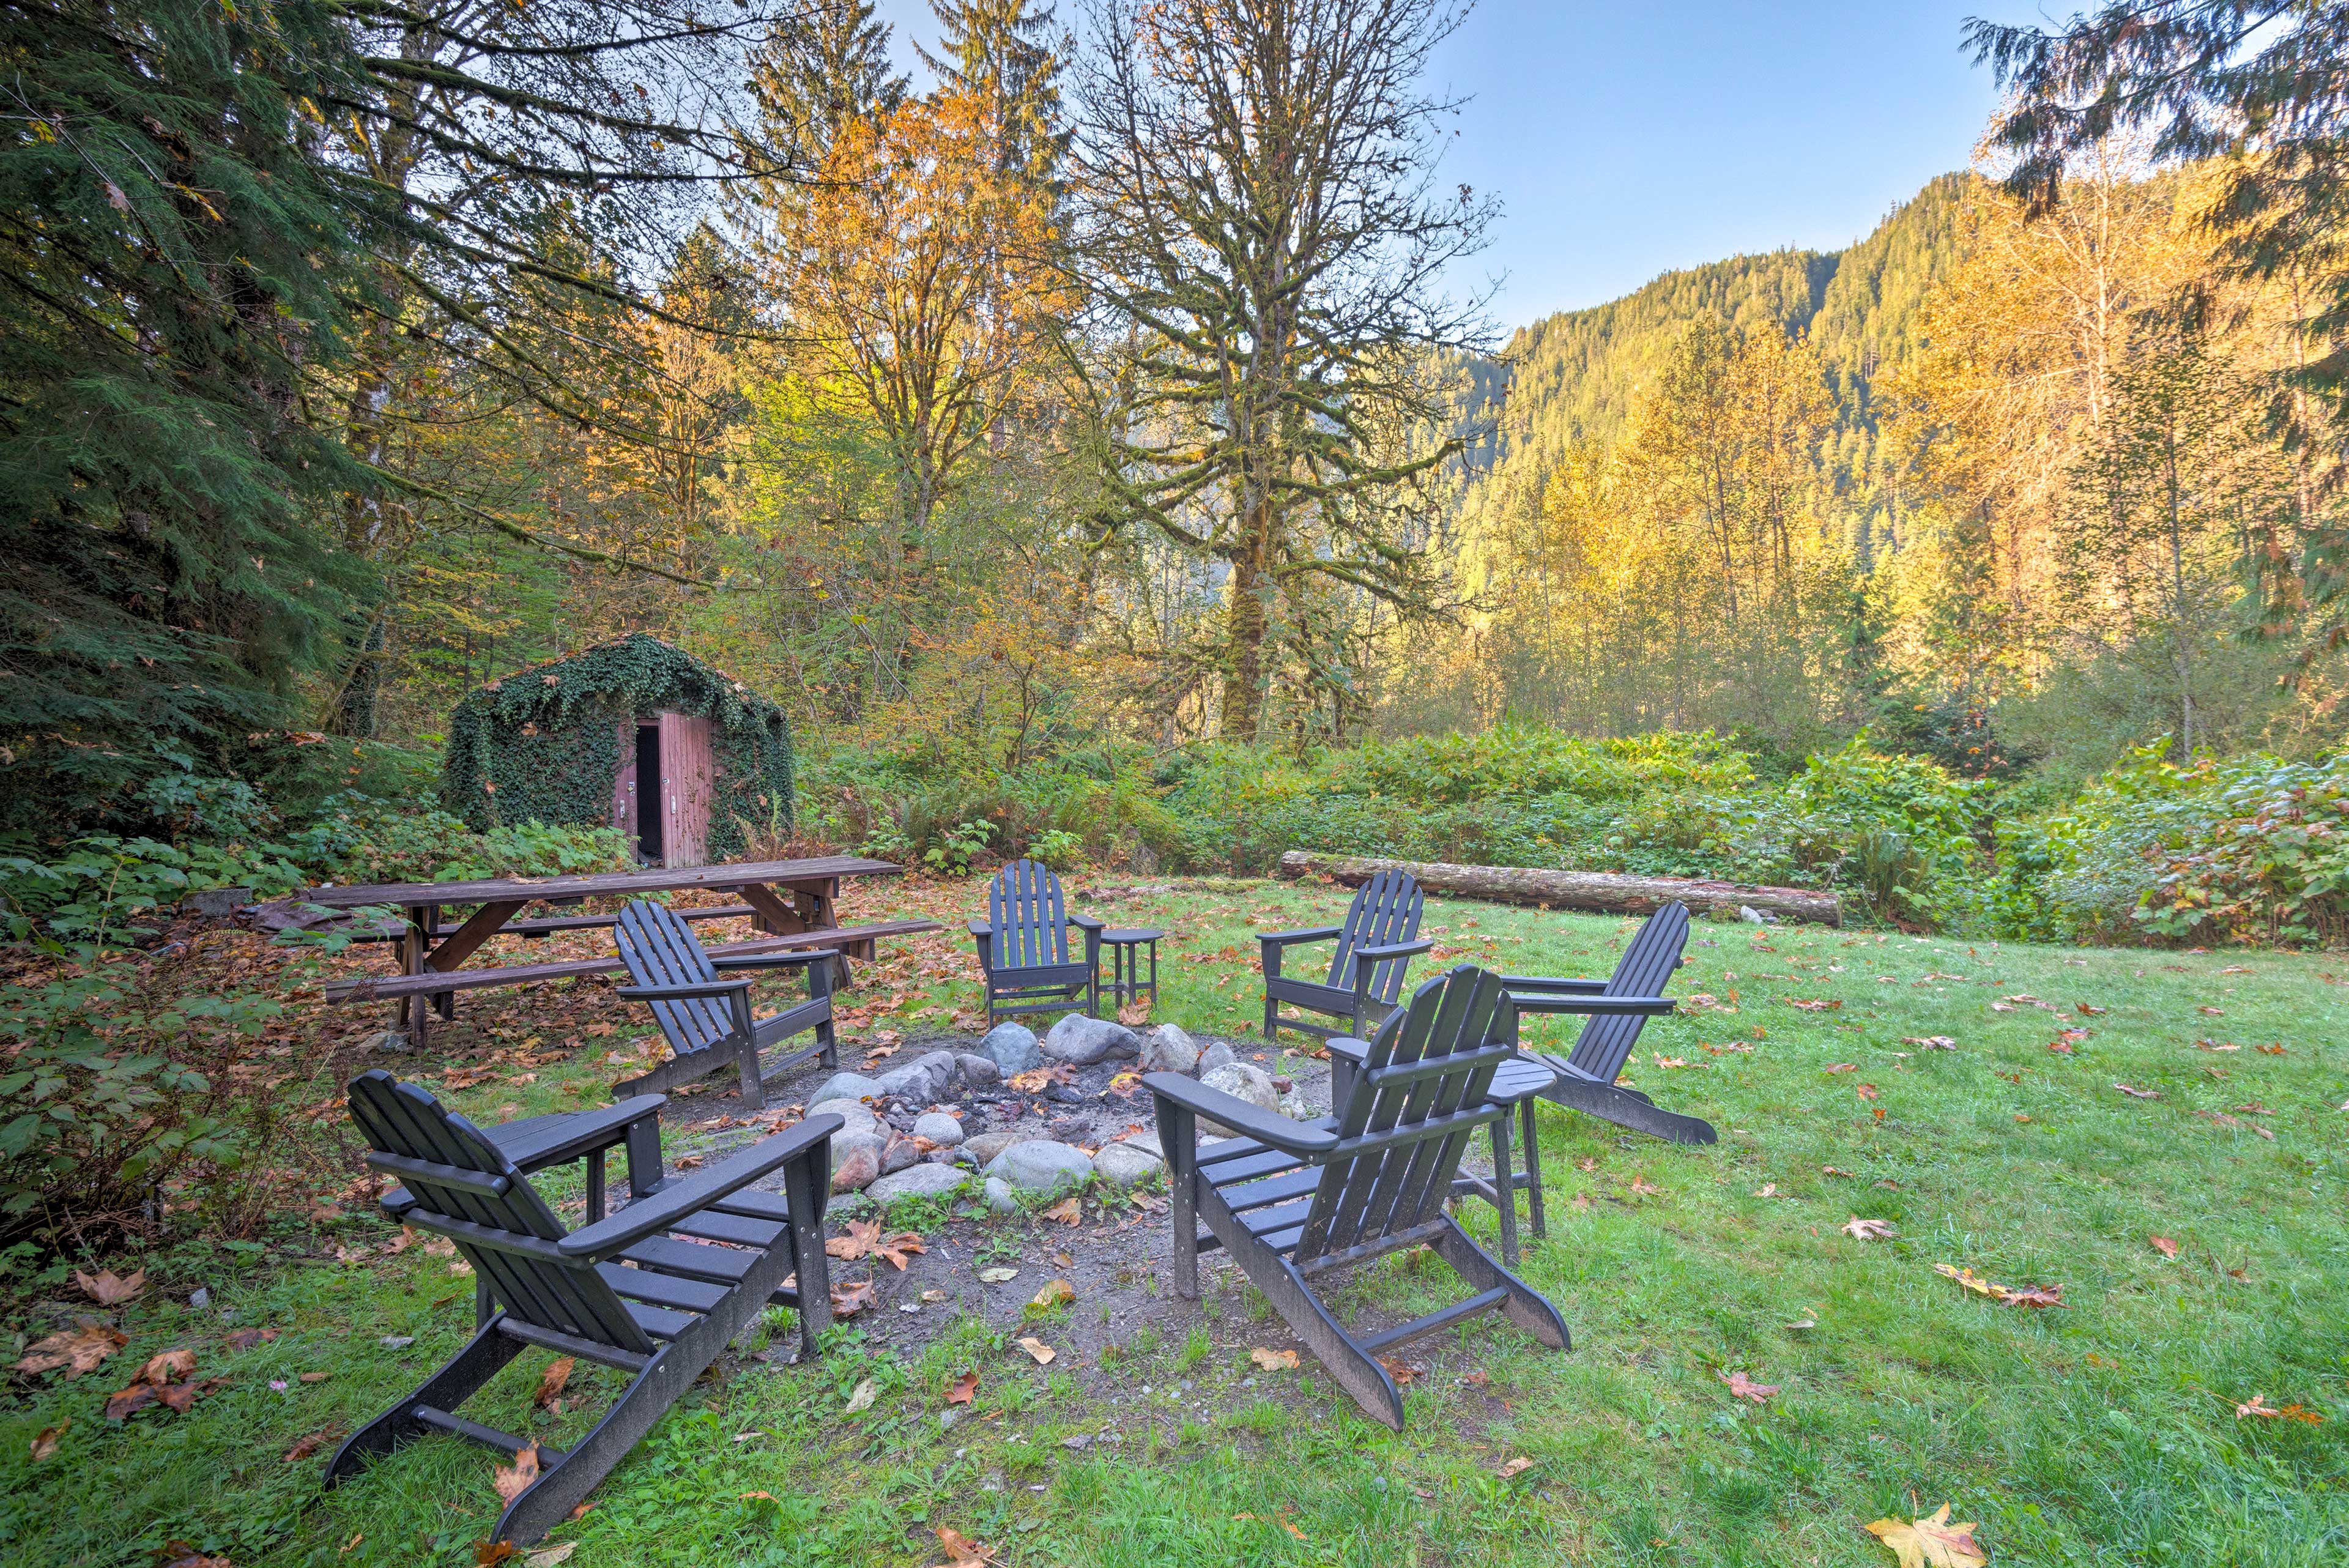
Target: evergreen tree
[(821, 69), (170, 261), (1003, 52)]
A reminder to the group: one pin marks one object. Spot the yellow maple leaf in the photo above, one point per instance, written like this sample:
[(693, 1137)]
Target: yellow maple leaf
[(1931, 1541)]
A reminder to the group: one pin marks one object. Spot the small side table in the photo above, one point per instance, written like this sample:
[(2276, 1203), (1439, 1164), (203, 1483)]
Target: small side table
[(1517, 1083), (1125, 948)]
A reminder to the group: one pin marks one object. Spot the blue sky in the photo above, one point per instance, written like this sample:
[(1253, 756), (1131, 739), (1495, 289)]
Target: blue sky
[(1627, 139)]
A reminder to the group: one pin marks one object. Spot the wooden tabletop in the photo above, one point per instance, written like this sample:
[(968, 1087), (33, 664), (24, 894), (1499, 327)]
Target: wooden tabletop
[(651, 879)]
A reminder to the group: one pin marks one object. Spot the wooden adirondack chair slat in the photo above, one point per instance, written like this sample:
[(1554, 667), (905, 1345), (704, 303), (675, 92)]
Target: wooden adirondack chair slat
[(547, 1288), (1290, 1203), (1586, 1075)]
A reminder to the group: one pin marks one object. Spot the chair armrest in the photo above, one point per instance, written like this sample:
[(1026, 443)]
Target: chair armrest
[(981, 929), (772, 961), (1365, 958), (680, 1199), (1085, 922), (682, 992), (1649, 1006), (1284, 939), (1251, 1121), (1542, 985), (535, 1143), (1346, 1048)]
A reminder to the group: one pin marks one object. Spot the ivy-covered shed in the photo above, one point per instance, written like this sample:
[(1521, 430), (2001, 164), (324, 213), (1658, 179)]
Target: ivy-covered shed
[(634, 734)]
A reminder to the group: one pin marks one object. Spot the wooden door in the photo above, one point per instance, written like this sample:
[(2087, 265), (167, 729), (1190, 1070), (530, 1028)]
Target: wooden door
[(624, 781), (686, 784)]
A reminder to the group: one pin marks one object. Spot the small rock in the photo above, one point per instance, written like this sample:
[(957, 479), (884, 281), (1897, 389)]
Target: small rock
[(1167, 1049), (923, 1180), (938, 1127), (1751, 916), (1124, 1164), (947, 1417), (393, 1042), (986, 1146), (1147, 1141), (396, 1341), (914, 1081), (897, 1154), (847, 1086), (1244, 1081), (1081, 1041), (200, 1298), (978, 1071), (1040, 1165), (1011, 1046), (1298, 1108), (855, 1161), (1218, 1054), (999, 1196), (1079, 1442)]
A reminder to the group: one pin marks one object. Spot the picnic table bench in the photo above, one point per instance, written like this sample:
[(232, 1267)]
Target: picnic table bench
[(785, 899)]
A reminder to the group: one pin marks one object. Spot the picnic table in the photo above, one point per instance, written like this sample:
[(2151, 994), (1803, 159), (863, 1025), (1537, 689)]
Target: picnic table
[(795, 903)]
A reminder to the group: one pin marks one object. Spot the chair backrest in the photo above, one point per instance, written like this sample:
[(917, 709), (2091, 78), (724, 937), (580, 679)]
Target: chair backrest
[(1647, 964), (1385, 910), (454, 1173), (660, 949), (1431, 1060), (1032, 928)]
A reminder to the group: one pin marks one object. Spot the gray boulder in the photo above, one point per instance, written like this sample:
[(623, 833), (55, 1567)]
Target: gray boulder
[(1167, 1049), (1148, 1142), (922, 1180), (978, 1071), (999, 1196), (1215, 1056), (1124, 1164), (1039, 1165), (855, 1116), (847, 1086), (1011, 1046), (1245, 1081), (921, 1081), (897, 1154), (986, 1146), (1081, 1041), (940, 1128)]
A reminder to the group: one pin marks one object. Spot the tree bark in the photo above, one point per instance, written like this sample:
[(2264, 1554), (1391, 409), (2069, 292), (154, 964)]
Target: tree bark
[(1603, 891)]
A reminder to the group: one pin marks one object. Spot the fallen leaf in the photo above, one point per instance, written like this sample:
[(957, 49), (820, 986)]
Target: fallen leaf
[(1865, 1091), (2236, 969), (1843, 1067), (960, 1550), (316, 1377), (1833, 1171), (2212, 1011), (858, 1240), (1930, 1042), (1767, 1189), (851, 1297), (1134, 1014), (2138, 1094), (45, 1441), (551, 1381), (1518, 1466), (1644, 1187), (1037, 1348), (1402, 1372), (1816, 1006), (2259, 1408), (862, 1398), (310, 1445), (1930, 1542), (2086, 1010), (1744, 1388), (2164, 1245), (1865, 1229), (1054, 1293), (2215, 1046), (1068, 1212), (964, 1389), (689, 1161), (1034, 1081), (2269, 1050), (998, 1276), (78, 1349), (1804, 1322), (512, 1480), (550, 1556), (1272, 1360), (2031, 1296), (1588, 1162), (107, 1289)]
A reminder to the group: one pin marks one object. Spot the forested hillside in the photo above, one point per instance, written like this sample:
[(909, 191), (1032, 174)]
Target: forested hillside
[(1577, 376)]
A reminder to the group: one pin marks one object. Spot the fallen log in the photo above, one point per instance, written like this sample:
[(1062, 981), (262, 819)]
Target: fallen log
[(1603, 891)]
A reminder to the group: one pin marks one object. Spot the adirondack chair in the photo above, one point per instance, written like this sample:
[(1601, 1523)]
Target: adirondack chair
[(1291, 1201), (1023, 945), (703, 1003), (1618, 1007), (664, 1320), (1366, 974)]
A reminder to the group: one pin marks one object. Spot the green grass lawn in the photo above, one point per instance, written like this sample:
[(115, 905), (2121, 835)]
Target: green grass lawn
[(2103, 1432)]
